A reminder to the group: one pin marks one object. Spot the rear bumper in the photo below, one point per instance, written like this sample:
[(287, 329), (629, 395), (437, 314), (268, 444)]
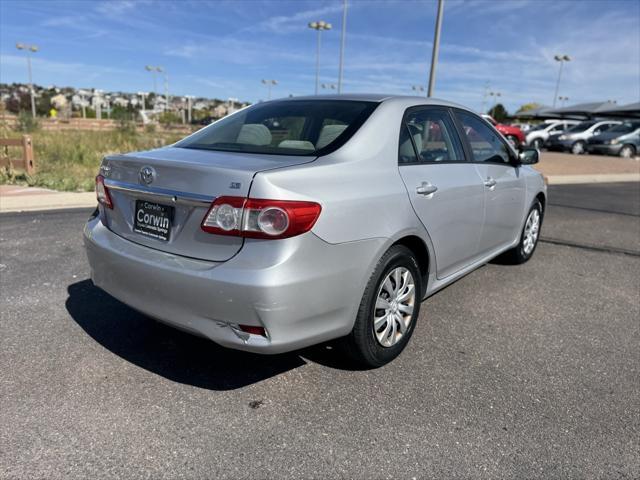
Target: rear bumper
[(302, 290)]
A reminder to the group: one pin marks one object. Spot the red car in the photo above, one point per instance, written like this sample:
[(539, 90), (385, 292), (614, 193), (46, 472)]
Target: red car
[(511, 133)]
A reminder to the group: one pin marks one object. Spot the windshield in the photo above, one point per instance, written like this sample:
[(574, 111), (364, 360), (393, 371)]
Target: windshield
[(581, 127), (626, 127), (292, 127)]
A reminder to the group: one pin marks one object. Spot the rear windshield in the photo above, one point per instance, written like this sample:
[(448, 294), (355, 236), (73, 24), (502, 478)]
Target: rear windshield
[(581, 127), (292, 127)]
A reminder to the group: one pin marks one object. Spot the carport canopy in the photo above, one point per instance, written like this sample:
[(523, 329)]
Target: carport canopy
[(631, 110), (582, 110)]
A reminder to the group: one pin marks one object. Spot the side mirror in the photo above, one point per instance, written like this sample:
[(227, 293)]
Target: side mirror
[(529, 156)]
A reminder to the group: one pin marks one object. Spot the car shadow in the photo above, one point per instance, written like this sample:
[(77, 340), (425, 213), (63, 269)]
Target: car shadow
[(176, 355)]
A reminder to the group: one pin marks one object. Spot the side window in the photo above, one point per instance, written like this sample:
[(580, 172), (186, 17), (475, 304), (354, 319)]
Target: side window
[(486, 145), (434, 136)]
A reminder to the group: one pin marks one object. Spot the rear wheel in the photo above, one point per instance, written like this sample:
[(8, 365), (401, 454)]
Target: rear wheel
[(578, 148), (627, 151), (515, 143), (388, 310), (528, 238)]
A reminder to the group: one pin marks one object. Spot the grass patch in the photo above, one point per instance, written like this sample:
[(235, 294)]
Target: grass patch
[(69, 160)]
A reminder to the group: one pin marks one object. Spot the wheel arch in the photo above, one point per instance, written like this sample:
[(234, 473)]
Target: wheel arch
[(419, 248)]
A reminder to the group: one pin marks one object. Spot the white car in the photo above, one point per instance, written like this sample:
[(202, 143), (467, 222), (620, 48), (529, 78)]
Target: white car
[(538, 135)]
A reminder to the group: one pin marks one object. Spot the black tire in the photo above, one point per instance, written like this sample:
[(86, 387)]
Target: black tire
[(361, 345), (513, 141), (627, 151), (537, 143), (518, 254), (579, 148)]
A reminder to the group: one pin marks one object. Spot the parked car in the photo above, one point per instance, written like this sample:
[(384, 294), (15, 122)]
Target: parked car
[(623, 140), (576, 137), (538, 135), (299, 221), (512, 133)]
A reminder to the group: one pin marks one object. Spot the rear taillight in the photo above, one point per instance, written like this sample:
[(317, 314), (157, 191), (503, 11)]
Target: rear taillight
[(102, 193), (257, 218)]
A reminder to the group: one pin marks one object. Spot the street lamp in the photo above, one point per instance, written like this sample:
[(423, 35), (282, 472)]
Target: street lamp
[(562, 100), (436, 49), (319, 26), (342, 39), (157, 69), (143, 95), (330, 86), (269, 84), (29, 49), (417, 88), (495, 102), (561, 59)]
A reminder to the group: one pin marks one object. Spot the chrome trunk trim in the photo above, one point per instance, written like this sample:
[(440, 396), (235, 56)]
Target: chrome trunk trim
[(173, 197)]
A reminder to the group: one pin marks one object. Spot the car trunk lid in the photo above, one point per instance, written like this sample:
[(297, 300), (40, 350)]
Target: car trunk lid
[(161, 196)]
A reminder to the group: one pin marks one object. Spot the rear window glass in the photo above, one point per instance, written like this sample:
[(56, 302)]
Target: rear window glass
[(304, 127)]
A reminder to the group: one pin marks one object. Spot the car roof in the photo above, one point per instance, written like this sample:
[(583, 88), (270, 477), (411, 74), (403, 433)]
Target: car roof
[(379, 98)]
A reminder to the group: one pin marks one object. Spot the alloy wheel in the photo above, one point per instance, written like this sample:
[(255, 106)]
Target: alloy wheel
[(394, 307), (531, 231)]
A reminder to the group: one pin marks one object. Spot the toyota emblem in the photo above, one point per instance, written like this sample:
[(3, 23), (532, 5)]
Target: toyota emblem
[(147, 175)]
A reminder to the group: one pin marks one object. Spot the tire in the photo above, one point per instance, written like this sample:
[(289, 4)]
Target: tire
[(537, 143), (515, 143), (578, 148), (522, 252), (367, 346), (627, 151)]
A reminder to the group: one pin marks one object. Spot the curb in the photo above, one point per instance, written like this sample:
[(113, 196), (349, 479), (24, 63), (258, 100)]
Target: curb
[(595, 178), (49, 201)]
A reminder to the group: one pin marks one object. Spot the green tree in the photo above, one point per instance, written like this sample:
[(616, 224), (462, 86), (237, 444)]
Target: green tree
[(499, 113)]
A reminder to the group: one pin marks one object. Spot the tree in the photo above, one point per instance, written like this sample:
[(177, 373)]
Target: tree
[(528, 106), (499, 113)]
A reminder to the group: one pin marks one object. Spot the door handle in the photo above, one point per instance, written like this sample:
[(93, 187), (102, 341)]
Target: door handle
[(489, 183), (426, 189)]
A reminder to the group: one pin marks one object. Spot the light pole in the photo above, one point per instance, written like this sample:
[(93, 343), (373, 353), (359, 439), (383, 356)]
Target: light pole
[(155, 70), (417, 88), (561, 59), (484, 96), (189, 106), (143, 95), (562, 100), (269, 84), (330, 86), (30, 49), (342, 40), (319, 26), (436, 49), (495, 102)]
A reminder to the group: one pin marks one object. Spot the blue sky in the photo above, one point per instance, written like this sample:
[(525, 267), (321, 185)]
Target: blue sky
[(224, 48)]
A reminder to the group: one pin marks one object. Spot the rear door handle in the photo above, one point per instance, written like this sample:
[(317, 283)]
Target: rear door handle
[(426, 189), (489, 182)]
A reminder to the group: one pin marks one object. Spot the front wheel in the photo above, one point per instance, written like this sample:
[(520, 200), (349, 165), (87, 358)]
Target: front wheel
[(578, 148), (528, 237), (537, 143), (627, 151), (388, 310)]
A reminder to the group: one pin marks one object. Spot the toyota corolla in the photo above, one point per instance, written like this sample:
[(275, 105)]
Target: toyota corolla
[(298, 221)]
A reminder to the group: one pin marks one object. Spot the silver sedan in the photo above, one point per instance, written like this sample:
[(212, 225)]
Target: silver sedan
[(295, 222)]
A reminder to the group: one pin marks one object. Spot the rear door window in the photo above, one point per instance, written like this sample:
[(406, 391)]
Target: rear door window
[(432, 133)]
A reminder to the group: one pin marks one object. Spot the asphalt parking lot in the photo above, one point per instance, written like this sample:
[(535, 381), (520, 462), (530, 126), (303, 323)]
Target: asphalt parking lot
[(525, 371)]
